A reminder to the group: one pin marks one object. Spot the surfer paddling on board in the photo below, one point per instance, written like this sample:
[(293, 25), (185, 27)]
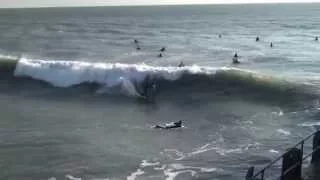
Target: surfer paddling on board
[(172, 125), (235, 59)]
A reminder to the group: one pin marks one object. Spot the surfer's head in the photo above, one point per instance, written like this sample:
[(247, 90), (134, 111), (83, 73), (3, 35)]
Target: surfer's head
[(179, 123)]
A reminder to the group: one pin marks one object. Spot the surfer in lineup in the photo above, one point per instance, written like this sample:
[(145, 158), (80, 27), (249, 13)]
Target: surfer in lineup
[(220, 36), (316, 38), (172, 125), (257, 39), (271, 45), (136, 42), (235, 59), (160, 55), (162, 49)]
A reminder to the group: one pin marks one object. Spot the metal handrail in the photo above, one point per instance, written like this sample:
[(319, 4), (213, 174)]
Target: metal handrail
[(261, 172), (300, 162)]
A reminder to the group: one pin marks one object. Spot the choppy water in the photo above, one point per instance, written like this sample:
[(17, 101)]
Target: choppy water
[(70, 85)]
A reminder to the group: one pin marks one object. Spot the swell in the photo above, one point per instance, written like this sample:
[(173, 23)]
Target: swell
[(75, 78)]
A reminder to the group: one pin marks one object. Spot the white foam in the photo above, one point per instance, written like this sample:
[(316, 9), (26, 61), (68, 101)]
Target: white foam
[(70, 177), (175, 169), (160, 168), (310, 124), (145, 163), (209, 169), (273, 151), (9, 57), (284, 132), (134, 175), (52, 178), (178, 155), (171, 175)]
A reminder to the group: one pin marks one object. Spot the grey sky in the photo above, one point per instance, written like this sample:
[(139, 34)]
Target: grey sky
[(46, 3)]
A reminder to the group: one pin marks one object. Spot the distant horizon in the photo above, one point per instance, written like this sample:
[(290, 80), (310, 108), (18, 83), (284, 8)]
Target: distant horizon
[(146, 5)]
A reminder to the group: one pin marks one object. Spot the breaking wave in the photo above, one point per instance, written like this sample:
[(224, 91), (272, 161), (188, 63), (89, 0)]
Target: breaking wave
[(127, 79)]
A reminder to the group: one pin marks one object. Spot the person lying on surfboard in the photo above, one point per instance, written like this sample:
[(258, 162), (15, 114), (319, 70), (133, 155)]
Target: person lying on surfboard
[(172, 125)]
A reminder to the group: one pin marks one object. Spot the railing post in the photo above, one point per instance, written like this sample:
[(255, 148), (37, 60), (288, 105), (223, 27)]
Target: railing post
[(316, 143), (250, 173), (302, 146), (289, 162), (315, 160)]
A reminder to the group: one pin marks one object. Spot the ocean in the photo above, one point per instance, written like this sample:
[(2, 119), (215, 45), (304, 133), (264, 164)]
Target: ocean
[(71, 80)]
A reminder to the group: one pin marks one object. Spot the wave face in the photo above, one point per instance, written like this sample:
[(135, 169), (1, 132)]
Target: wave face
[(128, 79)]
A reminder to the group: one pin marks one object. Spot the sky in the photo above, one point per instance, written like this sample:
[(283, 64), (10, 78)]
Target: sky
[(53, 3)]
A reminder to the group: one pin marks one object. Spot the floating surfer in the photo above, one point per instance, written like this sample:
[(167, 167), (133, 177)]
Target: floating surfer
[(220, 36), (160, 55), (257, 39), (163, 49), (271, 45), (316, 38), (172, 125), (235, 59), (136, 42)]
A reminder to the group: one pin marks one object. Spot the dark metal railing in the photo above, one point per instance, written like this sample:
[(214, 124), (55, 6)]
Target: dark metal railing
[(261, 174), (299, 162)]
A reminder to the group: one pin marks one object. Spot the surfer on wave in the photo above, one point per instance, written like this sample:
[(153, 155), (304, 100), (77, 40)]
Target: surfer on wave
[(181, 64), (149, 88)]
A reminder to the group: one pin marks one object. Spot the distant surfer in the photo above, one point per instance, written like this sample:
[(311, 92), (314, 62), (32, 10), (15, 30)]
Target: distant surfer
[(316, 38), (220, 36), (235, 59), (257, 39), (162, 49), (160, 55), (136, 42), (181, 64), (271, 45), (172, 125)]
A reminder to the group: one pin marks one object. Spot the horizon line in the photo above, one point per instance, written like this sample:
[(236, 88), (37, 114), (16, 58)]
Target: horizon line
[(148, 5)]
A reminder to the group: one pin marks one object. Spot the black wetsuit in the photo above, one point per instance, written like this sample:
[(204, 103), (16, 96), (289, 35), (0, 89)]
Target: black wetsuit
[(162, 49), (181, 64)]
